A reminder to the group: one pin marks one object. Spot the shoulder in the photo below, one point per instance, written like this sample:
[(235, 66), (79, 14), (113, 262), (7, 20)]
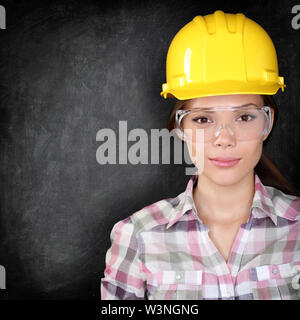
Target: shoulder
[(149, 217), (154, 214), (285, 205)]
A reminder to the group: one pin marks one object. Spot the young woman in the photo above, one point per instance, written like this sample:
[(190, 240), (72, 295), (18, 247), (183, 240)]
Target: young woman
[(234, 233)]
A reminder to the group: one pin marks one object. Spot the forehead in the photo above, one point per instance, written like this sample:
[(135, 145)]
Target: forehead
[(225, 100)]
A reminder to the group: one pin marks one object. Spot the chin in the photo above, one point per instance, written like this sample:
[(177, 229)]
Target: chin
[(224, 177)]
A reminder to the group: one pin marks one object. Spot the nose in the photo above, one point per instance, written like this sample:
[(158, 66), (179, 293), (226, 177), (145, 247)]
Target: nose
[(224, 138)]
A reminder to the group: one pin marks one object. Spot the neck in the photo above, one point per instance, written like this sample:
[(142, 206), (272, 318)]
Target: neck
[(221, 204)]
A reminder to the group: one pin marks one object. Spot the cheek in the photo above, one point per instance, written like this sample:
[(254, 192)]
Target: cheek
[(250, 152), (197, 153)]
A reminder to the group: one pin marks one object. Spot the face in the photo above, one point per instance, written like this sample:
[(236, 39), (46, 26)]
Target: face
[(226, 145)]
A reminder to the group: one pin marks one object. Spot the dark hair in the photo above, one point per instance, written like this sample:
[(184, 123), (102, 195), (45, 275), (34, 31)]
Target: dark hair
[(266, 168)]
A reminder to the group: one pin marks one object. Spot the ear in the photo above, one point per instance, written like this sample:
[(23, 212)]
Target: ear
[(271, 127), (180, 134)]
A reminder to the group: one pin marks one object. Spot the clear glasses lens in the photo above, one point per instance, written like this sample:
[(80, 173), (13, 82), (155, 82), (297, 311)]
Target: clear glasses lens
[(243, 124)]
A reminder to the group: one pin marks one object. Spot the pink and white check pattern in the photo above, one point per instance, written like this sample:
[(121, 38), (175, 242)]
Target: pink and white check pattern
[(163, 251)]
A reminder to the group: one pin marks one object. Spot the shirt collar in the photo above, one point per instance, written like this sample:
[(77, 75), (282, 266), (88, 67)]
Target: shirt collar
[(261, 200), (186, 202)]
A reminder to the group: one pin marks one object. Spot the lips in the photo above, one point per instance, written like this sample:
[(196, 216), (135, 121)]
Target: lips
[(224, 159), (223, 162)]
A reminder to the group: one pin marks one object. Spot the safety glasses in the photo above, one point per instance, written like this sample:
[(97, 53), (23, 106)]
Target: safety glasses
[(243, 123)]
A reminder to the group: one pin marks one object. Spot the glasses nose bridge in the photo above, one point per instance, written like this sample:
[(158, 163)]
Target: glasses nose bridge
[(222, 123), (217, 131)]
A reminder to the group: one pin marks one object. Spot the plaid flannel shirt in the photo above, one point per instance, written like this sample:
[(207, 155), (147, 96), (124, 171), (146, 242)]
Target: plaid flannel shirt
[(163, 251)]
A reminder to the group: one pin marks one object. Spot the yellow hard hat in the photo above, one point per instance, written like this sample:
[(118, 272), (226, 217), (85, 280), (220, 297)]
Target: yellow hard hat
[(221, 53)]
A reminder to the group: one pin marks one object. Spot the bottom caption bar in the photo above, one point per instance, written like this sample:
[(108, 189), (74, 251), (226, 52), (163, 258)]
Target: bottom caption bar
[(94, 309)]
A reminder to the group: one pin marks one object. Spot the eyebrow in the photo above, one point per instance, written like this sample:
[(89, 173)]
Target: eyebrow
[(238, 107)]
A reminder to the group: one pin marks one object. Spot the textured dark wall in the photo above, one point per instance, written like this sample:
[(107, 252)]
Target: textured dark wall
[(70, 68)]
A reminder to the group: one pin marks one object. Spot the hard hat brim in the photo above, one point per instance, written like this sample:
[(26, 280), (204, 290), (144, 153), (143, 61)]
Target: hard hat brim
[(221, 88)]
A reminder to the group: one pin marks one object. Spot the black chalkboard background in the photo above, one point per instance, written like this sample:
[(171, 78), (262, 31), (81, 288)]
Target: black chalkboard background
[(70, 68)]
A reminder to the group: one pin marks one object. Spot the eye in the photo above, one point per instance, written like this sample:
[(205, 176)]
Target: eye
[(201, 120), (245, 117)]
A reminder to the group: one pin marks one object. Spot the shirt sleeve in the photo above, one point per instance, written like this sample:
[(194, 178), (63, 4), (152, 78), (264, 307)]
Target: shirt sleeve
[(123, 276)]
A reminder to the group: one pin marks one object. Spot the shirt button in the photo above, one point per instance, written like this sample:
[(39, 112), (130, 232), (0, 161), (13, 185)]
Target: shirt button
[(275, 271)]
